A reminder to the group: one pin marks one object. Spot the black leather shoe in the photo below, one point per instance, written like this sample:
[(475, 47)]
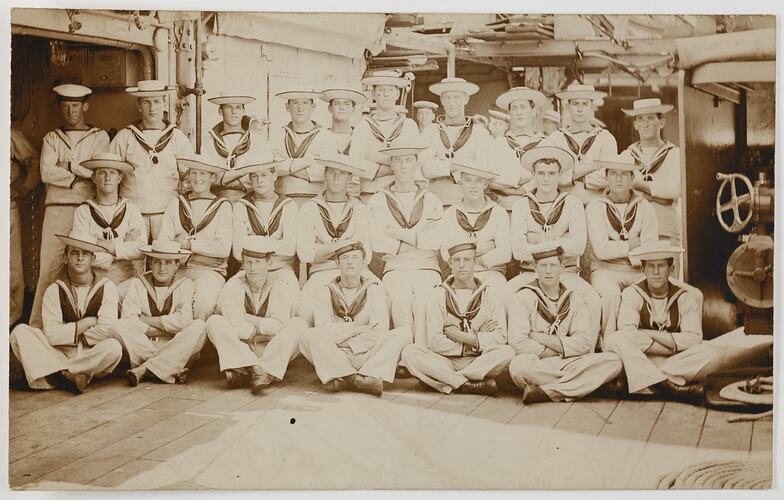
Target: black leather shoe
[(237, 377), (76, 383), (486, 387), (336, 385), (368, 385), (534, 394), (259, 379), (402, 372), (688, 392)]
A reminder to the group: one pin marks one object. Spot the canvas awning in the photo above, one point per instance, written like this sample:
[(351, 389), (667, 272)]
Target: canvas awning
[(735, 72), (343, 34)]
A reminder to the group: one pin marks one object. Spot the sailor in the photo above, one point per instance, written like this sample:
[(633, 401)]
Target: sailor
[(79, 310), (618, 222), (67, 183), (549, 331), (454, 137), (300, 141), (659, 179), (233, 138), (385, 127), (115, 222), (157, 328), (586, 142), (25, 177), (466, 331), (475, 217), (324, 223), (425, 114), (254, 328), (547, 217), (404, 231), (351, 345), (521, 103), (551, 121), (342, 103), (265, 214), (201, 222), (499, 123), (152, 146)]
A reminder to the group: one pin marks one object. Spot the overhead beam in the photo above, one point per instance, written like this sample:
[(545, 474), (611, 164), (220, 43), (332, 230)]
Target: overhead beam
[(566, 48), (405, 39), (92, 25), (735, 72)]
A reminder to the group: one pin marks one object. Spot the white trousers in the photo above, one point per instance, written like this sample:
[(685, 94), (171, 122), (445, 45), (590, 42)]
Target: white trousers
[(565, 379), (371, 354), (447, 373), (691, 365), (163, 356), (16, 274), (573, 281), (39, 358), (609, 283), (314, 283), (58, 219), (272, 354), (407, 290), (153, 223), (207, 285)]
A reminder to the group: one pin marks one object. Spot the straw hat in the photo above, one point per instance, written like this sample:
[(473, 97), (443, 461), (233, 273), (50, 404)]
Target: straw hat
[(520, 93), (403, 150), (83, 241), (339, 162), (457, 84), (355, 96), (231, 99), (165, 249), (150, 88), (579, 91), (647, 106), (385, 77), (530, 157), (201, 162), (470, 166), (552, 116), (619, 162), (656, 250), (498, 115), (299, 92), (108, 160), (257, 161)]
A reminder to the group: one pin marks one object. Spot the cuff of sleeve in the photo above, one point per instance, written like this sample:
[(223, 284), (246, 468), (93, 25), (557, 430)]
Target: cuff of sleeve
[(399, 246), (544, 349)]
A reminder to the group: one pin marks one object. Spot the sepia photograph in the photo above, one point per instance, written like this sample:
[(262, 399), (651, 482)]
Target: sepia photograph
[(268, 250)]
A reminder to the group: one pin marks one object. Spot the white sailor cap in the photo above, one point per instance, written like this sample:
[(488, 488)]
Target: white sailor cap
[(201, 162), (72, 92), (425, 105)]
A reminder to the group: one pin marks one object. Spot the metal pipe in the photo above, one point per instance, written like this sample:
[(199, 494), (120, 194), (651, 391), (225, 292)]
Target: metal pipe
[(450, 62), (197, 86)]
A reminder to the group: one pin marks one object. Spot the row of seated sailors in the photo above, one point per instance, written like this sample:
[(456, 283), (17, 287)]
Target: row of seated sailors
[(546, 347)]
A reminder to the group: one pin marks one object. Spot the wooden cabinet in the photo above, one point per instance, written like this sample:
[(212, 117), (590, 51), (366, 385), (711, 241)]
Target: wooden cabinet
[(106, 68)]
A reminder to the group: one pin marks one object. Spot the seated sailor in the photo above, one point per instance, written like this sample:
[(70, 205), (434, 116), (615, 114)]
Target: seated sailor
[(466, 331), (254, 328), (351, 345), (551, 335), (202, 223), (156, 327), (78, 311), (117, 223)]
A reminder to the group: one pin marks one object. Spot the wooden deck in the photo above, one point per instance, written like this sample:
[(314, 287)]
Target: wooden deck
[(204, 436)]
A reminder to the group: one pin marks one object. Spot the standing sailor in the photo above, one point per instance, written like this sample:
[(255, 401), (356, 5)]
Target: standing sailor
[(351, 345), (342, 103), (152, 146), (508, 150), (79, 310), (157, 328), (115, 222), (551, 121), (659, 179), (233, 138), (300, 141), (67, 183), (546, 218), (263, 213), (618, 222), (201, 222), (499, 123), (586, 142), (454, 137), (404, 231), (382, 129), (466, 332), (549, 330), (425, 114)]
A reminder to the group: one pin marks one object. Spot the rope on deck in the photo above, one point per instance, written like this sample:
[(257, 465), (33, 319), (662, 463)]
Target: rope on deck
[(721, 474)]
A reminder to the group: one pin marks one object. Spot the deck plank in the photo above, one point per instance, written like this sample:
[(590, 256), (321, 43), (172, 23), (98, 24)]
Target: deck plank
[(671, 445), (762, 440), (723, 440)]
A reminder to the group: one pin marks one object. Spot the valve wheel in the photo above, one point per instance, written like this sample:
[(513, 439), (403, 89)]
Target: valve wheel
[(735, 202)]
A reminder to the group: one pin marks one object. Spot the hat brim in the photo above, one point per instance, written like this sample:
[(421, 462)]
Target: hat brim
[(337, 165), (391, 152), (240, 172), (615, 165), (357, 98), (467, 169), (149, 252), (239, 99), (297, 94), (663, 108), (671, 253), (83, 245), (134, 91), (551, 118), (593, 95), (372, 81), (467, 88), (507, 98), (537, 153), (189, 164), (498, 115), (119, 165), (425, 105)]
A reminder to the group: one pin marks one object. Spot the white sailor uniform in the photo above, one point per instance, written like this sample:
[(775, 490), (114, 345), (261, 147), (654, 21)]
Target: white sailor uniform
[(445, 364), (155, 180), (167, 355), (560, 223), (574, 371), (276, 220), (409, 270), (331, 348), (250, 328), (56, 347), (68, 185), (609, 227), (23, 156), (302, 184), (208, 225), (114, 222), (506, 153)]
